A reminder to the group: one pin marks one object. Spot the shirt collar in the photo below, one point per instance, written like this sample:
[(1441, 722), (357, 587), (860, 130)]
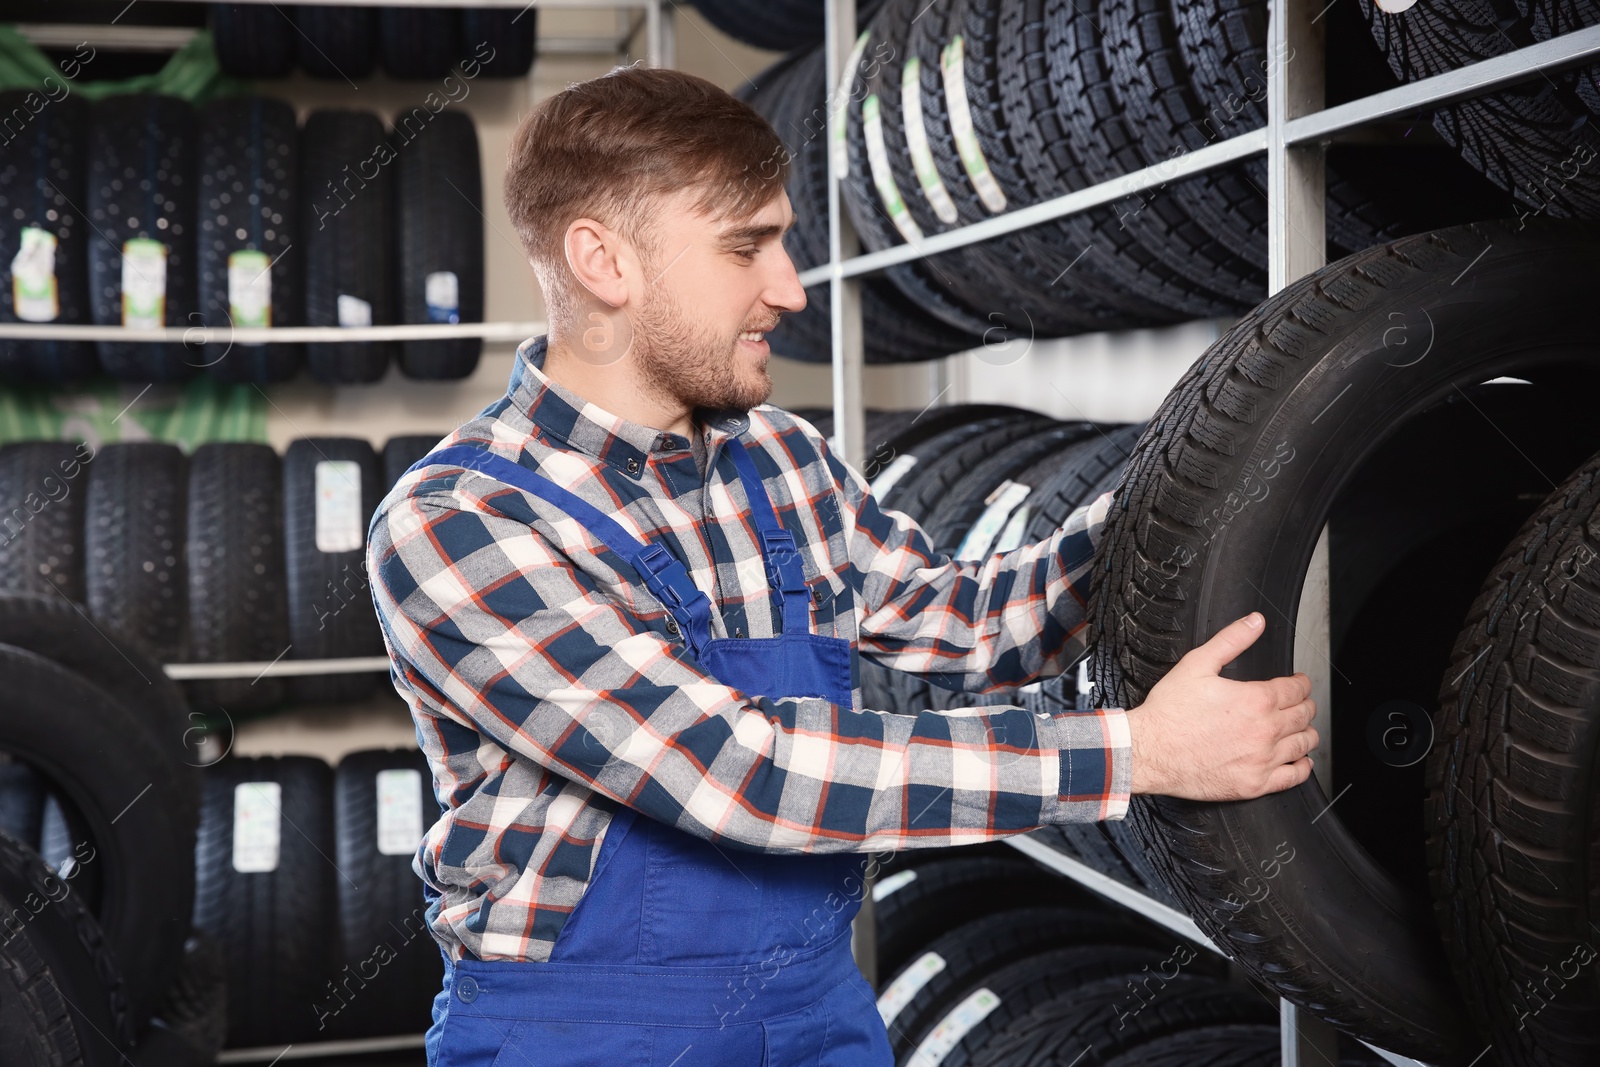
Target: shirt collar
[(590, 429)]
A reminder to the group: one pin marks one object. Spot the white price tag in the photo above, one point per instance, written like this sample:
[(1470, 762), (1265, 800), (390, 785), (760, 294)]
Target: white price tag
[(887, 887), (908, 985), (33, 277), (952, 65), (891, 474), (955, 1026), (928, 177), (1005, 498), (354, 311), (250, 288), (441, 291), (882, 177), (144, 284), (1012, 535), (399, 811), (338, 488), (257, 829)]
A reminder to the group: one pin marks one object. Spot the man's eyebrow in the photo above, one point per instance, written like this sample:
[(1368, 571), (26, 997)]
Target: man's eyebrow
[(741, 234)]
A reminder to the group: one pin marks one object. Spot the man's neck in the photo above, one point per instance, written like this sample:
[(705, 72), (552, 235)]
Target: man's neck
[(615, 387)]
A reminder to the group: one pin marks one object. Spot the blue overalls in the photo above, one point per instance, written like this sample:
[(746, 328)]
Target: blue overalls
[(682, 953)]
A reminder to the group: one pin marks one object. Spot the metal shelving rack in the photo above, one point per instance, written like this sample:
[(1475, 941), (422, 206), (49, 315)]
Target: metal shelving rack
[(1298, 129)]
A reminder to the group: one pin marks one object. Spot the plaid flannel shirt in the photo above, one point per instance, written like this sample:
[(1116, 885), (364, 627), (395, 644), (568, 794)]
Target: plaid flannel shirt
[(547, 689)]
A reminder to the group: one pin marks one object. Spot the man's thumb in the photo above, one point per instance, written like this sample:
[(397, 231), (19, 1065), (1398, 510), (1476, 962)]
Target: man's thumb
[(1227, 643)]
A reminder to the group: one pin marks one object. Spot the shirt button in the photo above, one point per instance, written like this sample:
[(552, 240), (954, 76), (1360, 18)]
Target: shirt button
[(467, 988), (633, 466), (672, 626)]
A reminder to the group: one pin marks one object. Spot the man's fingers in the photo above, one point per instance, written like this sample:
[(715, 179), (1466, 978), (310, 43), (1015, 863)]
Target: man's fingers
[(1290, 689), (1227, 643), (1289, 775), (1295, 746)]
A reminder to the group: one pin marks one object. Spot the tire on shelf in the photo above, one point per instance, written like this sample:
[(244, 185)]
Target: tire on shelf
[(249, 219), (143, 154), (336, 42), (400, 452), (331, 486), (134, 519), (95, 754), (62, 996), (439, 238), (383, 803), (253, 40), (43, 178), (41, 533), (237, 585), (348, 234), (1512, 786), (511, 37), (419, 42), (193, 1015), (1243, 416), (265, 892), (1223, 1045)]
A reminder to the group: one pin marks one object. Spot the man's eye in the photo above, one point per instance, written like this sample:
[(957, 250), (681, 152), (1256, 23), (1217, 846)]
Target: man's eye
[(747, 253)]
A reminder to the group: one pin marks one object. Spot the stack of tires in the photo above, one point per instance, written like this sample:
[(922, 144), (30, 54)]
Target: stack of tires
[(232, 554), (228, 215)]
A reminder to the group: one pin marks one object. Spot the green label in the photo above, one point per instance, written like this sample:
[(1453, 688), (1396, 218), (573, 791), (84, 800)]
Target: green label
[(144, 284), (250, 288)]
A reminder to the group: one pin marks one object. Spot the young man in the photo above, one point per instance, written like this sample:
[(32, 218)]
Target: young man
[(626, 604)]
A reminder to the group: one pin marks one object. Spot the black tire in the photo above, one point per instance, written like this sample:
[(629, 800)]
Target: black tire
[(119, 784), (1512, 786), (133, 545), (1243, 416), (41, 533), (195, 1010), (253, 40), (1112, 1016), (63, 1002), (275, 926), (419, 42), (348, 238), (143, 155), (330, 606), (510, 36), (382, 912), (237, 586), (336, 42), (249, 202), (1225, 1045), (399, 453), (947, 892), (966, 955), (439, 240), (42, 176)]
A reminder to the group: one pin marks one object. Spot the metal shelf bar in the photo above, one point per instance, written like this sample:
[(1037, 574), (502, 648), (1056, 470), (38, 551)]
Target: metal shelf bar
[(317, 1049), (255, 335), (278, 668)]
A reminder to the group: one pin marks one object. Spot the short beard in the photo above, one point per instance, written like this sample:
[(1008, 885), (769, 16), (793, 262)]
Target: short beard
[(680, 359)]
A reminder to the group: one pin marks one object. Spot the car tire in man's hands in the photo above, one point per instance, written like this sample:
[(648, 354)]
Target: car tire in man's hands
[(1204, 737)]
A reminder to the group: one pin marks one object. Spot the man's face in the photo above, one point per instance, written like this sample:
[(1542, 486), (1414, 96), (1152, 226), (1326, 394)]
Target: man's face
[(712, 287)]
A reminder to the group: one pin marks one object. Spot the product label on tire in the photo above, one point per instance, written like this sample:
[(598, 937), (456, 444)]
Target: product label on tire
[(144, 284), (257, 826), (882, 176), (33, 277), (399, 811), (891, 474), (908, 985), (1005, 498), (338, 486), (249, 288), (840, 145), (1011, 536), (953, 67), (890, 885), (354, 311), (955, 1026), (933, 190), (441, 291)]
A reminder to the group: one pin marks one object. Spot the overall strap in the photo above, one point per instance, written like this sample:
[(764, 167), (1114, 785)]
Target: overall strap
[(661, 571), (784, 572)]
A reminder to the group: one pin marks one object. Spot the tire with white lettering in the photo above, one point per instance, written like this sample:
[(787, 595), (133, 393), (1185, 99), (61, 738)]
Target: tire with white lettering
[(1513, 787), (947, 892), (1116, 1016), (1256, 442), (419, 42), (336, 42), (399, 453), (264, 891), (253, 40), (439, 241), (925, 989), (509, 35), (42, 177), (249, 220), (346, 175), (121, 789), (134, 569), (238, 590), (143, 154), (63, 1001), (43, 485), (331, 486), (383, 803)]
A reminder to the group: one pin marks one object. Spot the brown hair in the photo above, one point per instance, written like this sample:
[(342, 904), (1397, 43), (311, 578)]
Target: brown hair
[(607, 148)]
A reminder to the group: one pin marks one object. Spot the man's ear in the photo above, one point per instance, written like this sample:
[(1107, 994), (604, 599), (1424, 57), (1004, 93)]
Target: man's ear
[(594, 256)]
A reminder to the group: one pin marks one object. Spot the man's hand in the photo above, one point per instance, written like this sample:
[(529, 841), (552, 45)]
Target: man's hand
[(1203, 737)]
